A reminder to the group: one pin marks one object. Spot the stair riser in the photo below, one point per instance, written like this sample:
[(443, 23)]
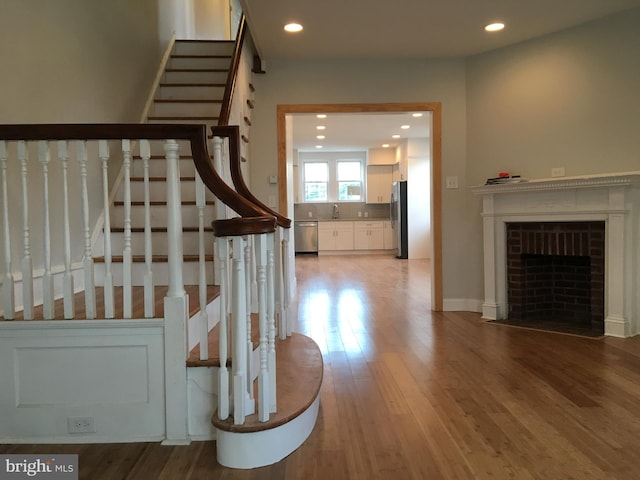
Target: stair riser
[(195, 77), (159, 215), (190, 273), (203, 48), (191, 92), (190, 244), (199, 63), (184, 109), (158, 191)]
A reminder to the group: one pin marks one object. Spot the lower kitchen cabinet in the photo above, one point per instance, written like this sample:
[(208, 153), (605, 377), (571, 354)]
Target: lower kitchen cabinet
[(335, 236), (368, 236)]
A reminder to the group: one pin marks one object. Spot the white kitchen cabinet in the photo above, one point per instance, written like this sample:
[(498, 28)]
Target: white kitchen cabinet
[(368, 235), (382, 156), (379, 180), (388, 235), (334, 236)]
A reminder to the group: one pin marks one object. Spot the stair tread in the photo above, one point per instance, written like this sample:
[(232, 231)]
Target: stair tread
[(159, 229), (179, 117), (216, 70), (199, 55), (137, 306), (160, 203), (173, 84), (299, 372), (155, 258), (185, 100)]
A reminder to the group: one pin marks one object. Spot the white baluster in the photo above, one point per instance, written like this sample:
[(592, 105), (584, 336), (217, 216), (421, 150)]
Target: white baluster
[(202, 280), (67, 280), (127, 260), (109, 307), (47, 278), (248, 246), (239, 336), (221, 209), (26, 266), (286, 286), (8, 299), (271, 319), (264, 398), (222, 253), (89, 281), (149, 293), (279, 285)]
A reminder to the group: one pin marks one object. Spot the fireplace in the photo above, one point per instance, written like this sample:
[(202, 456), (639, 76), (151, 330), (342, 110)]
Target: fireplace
[(555, 275), (545, 238)]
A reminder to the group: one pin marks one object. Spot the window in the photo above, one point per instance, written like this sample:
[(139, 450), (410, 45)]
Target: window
[(349, 181), (316, 182), (332, 177)]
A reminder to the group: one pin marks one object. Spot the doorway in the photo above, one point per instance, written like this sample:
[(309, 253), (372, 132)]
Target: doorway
[(285, 192)]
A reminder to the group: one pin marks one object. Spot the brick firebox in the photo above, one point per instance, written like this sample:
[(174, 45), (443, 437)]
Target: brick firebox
[(555, 271)]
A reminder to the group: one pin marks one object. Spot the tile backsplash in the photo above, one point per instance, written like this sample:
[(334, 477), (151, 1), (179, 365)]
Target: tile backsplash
[(348, 211)]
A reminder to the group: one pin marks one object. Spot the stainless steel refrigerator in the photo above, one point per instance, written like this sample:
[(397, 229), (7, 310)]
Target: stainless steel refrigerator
[(399, 220)]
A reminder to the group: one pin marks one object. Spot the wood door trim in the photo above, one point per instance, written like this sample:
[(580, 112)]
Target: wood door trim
[(436, 165)]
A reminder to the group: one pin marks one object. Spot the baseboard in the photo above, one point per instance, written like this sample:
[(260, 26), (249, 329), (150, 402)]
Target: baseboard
[(462, 305)]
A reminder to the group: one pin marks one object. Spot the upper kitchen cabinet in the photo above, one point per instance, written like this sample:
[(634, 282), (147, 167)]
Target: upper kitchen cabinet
[(379, 180), (382, 156)]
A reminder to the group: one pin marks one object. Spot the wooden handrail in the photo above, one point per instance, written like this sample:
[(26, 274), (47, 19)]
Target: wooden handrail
[(195, 134), (232, 132), (244, 226), (225, 110)]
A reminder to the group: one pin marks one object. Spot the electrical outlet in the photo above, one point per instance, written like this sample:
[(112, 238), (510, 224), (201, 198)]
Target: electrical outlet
[(81, 425), (452, 182)]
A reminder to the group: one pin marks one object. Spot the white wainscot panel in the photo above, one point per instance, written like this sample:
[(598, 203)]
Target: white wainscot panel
[(81, 375)]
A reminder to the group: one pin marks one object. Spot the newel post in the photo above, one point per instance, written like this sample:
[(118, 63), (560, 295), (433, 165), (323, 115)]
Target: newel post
[(175, 311)]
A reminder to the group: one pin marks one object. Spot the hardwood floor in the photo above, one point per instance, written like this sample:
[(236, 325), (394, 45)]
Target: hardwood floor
[(412, 394)]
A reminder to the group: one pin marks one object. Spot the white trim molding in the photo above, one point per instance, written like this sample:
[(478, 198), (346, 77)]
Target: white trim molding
[(612, 198)]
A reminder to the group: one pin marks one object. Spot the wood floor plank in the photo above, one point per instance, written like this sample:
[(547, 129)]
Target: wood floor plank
[(412, 394)]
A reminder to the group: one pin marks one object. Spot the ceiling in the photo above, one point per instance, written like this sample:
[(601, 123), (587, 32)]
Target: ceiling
[(357, 131), (342, 29)]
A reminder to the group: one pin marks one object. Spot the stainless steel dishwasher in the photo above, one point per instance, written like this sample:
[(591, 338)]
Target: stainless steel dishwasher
[(306, 236)]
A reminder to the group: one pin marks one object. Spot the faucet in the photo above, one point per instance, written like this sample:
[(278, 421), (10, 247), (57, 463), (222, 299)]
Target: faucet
[(336, 212)]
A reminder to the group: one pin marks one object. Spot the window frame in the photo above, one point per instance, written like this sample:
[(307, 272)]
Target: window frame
[(332, 159)]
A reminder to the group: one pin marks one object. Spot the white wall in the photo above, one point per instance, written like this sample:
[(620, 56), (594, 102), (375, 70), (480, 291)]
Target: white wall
[(374, 81), (419, 197), (71, 61), (569, 100)]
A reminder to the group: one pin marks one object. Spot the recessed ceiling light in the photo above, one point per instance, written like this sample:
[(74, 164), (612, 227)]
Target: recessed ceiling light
[(320, 127), (320, 137), (416, 115), (321, 115), (395, 136), (405, 127), (385, 145), (318, 146), (494, 27), (293, 27)]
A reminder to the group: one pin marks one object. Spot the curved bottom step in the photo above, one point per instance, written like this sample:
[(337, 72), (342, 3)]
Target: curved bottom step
[(255, 444), (266, 447)]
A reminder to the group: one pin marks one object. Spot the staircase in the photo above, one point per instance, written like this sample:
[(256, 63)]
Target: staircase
[(191, 91), (149, 230)]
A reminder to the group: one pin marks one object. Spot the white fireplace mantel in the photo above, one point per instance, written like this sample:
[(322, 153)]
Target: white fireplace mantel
[(612, 198)]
